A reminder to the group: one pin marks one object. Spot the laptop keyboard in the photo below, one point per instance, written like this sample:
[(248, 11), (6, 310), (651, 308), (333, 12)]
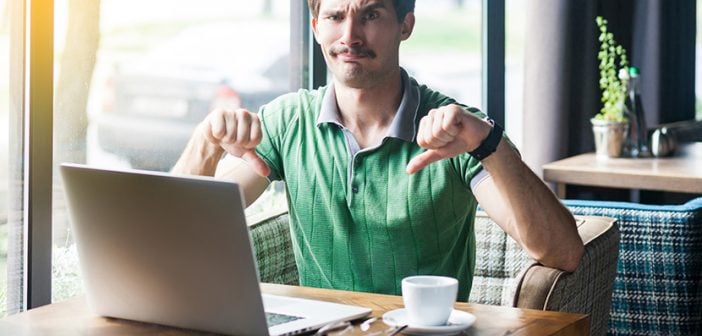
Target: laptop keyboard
[(274, 319)]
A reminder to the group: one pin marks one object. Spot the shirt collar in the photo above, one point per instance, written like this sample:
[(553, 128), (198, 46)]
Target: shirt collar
[(403, 126)]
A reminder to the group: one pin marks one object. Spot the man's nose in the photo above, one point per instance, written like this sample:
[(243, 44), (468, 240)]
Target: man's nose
[(352, 32)]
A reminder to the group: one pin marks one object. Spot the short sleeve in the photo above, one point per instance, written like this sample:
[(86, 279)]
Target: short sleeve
[(275, 119), (279, 119)]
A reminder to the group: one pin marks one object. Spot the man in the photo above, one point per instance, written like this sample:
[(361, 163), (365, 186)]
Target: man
[(383, 175)]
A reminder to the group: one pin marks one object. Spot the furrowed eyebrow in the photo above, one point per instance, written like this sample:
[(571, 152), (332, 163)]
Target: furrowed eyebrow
[(329, 12), (364, 9), (373, 6)]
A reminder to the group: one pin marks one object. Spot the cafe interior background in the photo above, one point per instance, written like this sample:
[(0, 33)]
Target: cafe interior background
[(122, 83)]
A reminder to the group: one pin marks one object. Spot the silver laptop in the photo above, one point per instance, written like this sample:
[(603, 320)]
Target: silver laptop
[(176, 251)]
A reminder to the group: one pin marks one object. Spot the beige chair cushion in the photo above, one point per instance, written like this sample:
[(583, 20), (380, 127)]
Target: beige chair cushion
[(587, 290)]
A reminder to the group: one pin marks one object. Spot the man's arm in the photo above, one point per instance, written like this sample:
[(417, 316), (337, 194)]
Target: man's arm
[(236, 132), (232, 168), (516, 199), (513, 196)]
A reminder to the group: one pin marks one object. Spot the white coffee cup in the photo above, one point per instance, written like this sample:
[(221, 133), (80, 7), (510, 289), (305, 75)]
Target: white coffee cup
[(429, 299)]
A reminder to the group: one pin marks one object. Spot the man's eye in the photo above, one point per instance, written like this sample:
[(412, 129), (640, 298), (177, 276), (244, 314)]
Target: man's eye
[(371, 16), (333, 17)]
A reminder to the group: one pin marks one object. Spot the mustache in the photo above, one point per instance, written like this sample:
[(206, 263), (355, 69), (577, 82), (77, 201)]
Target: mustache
[(353, 50)]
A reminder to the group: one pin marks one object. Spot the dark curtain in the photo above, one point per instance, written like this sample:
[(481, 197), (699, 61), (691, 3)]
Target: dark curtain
[(561, 91)]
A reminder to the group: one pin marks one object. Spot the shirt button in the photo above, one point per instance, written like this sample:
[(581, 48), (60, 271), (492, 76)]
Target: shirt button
[(354, 189)]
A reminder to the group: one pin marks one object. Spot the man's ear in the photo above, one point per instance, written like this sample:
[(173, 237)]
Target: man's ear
[(407, 26), (314, 28)]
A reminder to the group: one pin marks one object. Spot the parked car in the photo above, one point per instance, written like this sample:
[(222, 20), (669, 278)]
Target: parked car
[(152, 104)]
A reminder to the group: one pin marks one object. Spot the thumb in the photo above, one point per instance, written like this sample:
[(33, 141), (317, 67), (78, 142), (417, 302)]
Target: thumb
[(255, 161), (422, 160)]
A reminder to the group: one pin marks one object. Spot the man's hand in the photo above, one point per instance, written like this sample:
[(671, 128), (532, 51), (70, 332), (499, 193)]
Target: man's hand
[(447, 132), (238, 132)]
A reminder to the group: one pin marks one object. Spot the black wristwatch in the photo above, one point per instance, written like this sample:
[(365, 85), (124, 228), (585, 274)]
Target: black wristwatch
[(489, 144)]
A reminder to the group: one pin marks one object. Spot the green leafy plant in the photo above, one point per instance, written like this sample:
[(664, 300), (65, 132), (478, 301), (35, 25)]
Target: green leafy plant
[(614, 75)]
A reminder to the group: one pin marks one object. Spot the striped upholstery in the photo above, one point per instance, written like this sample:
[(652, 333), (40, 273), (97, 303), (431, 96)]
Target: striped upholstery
[(658, 288), (270, 235), (504, 274), (499, 259)]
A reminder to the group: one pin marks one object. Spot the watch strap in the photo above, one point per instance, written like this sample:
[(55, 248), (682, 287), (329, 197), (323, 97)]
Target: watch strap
[(489, 144)]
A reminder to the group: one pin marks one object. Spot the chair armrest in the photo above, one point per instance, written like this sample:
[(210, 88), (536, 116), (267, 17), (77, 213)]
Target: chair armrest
[(270, 235), (534, 286), (588, 290)]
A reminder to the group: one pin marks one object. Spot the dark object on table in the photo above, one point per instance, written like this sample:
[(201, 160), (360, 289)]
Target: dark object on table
[(666, 138)]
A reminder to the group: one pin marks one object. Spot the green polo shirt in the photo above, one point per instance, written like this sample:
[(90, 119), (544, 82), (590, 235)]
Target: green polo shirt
[(358, 221)]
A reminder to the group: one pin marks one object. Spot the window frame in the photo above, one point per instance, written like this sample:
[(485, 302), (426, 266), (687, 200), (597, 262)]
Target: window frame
[(493, 58), (36, 80)]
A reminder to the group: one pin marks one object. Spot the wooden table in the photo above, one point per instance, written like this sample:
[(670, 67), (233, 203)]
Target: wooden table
[(73, 317), (680, 173)]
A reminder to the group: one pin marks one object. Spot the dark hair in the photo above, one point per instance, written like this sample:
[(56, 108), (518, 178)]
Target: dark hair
[(402, 7)]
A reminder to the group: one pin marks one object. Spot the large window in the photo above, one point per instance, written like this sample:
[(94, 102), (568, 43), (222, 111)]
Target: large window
[(132, 84), (444, 51), (11, 160), (131, 79), (4, 149)]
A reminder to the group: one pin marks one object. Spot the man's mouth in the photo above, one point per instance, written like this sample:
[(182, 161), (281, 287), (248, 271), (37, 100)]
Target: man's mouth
[(353, 52)]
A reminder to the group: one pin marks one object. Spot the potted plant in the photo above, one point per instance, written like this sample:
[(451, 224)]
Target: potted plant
[(610, 125)]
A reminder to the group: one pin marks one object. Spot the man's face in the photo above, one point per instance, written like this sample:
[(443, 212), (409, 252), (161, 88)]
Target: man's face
[(360, 39)]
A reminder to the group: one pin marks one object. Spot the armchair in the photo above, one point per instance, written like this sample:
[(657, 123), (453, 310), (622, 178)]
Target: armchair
[(504, 274), (658, 287)]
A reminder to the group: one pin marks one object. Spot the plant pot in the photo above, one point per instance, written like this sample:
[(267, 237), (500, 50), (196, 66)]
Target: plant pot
[(610, 137)]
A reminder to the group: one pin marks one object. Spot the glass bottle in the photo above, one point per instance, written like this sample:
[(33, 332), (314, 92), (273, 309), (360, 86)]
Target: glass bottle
[(637, 141)]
